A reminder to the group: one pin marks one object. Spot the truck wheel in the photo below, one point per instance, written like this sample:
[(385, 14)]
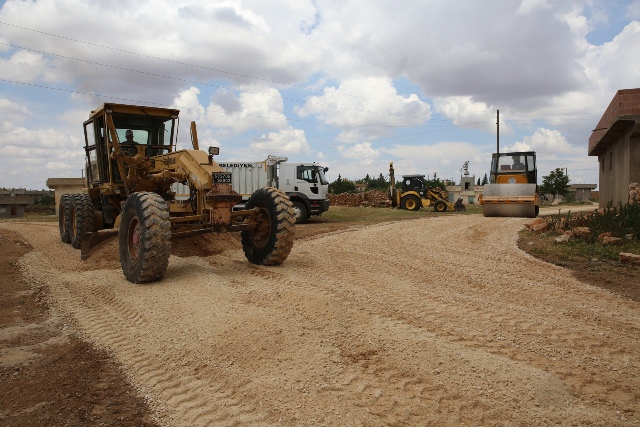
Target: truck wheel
[(81, 218), (144, 238), (271, 242), (440, 206), (301, 212), (64, 217), (410, 203)]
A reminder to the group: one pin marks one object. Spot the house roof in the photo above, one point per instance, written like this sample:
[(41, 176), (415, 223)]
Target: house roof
[(65, 182), (622, 112)]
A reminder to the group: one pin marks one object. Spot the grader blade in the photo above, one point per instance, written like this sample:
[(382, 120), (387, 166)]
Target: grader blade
[(91, 240), (509, 200)]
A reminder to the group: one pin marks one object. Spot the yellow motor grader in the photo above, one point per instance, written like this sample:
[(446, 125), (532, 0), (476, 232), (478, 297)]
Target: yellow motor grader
[(131, 166), (415, 194)]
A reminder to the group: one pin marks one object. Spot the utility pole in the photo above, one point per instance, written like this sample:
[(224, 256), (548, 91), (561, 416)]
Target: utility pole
[(498, 131)]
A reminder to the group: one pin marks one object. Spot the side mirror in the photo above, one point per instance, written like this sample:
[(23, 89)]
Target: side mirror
[(326, 169)]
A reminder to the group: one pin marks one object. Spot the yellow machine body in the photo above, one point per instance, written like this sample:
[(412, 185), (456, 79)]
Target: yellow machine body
[(513, 190)]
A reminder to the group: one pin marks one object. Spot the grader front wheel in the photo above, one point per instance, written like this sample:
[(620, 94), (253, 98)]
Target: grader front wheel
[(80, 218), (64, 217), (144, 238), (271, 241)]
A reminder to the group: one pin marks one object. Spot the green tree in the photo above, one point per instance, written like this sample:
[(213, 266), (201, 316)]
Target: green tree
[(555, 183), (485, 180), (341, 185)]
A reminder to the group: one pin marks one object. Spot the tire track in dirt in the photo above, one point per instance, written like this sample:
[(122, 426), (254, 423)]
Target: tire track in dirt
[(392, 324)]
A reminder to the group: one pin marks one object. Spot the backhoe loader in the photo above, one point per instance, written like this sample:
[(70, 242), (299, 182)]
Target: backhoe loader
[(415, 194), (513, 189), (132, 163)]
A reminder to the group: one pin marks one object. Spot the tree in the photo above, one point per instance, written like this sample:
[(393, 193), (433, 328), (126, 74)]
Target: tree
[(341, 185), (555, 183), (478, 183), (485, 180)]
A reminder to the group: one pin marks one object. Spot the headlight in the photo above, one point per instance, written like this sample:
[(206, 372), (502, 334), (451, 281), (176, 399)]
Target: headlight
[(214, 151)]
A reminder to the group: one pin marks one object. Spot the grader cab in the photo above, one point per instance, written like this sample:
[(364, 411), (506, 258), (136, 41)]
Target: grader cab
[(131, 166)]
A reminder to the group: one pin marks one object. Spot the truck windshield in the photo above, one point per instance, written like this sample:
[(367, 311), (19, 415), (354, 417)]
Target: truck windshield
[(323, 179)]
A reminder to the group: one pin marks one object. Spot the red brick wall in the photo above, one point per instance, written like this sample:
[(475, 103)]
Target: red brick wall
[(625, 102)]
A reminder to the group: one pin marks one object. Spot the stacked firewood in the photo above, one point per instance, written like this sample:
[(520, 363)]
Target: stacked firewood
[(373, 198)]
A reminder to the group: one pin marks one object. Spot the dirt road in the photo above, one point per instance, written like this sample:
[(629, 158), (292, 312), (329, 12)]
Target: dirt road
[(437, 321)]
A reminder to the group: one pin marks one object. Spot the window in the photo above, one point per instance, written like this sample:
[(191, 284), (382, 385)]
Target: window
[(307, 174)]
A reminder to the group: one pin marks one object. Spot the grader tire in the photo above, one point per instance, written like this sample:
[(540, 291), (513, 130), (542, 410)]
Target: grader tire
[(144, 238), (271, 242), (81, 218), (64, 218)]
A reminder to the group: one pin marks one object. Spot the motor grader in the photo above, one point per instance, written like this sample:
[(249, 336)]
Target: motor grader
[(415, 194), (131, 164)]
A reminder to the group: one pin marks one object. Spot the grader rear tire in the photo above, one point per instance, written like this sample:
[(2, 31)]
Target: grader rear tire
[(81, 218), (64, 218), (144, 238), (271, 242)]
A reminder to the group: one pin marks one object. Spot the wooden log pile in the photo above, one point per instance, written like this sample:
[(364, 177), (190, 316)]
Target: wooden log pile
[(372, 198)]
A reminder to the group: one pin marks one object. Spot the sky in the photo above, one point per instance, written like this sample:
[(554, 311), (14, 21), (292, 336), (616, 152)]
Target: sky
[(350, 84)]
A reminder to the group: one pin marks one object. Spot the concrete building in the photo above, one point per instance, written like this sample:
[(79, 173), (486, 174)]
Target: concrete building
[(581, 191), (12, 204), (65, 186), (616, 143)]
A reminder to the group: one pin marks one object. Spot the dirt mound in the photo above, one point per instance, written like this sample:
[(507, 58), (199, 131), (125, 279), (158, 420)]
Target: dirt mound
[(204, 244)]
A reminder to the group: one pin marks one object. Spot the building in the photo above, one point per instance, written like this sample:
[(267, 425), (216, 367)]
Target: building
[(65, 186), (616, 143), (582, 191), (13, 203)]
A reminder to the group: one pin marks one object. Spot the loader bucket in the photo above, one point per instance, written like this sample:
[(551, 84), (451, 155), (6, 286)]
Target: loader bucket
[(510, 200)]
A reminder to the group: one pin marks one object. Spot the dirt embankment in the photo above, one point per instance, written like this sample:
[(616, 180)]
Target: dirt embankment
[(439, 321)]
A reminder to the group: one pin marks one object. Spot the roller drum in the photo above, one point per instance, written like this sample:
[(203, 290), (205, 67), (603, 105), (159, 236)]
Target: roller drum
[(509, 200)]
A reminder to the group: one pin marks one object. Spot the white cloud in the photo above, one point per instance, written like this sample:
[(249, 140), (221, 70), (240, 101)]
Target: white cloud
[(371, 104), (528, 6), (257, 107), (466, 113), (286, 141), (551, 142), (362, 151)]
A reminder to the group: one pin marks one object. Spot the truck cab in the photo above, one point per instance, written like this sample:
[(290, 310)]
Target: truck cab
[(307, 187)]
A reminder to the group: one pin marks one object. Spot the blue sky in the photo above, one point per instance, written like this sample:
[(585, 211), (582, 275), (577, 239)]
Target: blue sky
[(352, 85)]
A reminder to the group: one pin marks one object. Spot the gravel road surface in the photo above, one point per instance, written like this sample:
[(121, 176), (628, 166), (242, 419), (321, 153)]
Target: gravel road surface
[(435, 321)]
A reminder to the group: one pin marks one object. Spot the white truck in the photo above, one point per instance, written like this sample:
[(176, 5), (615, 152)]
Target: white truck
[(304, 183)]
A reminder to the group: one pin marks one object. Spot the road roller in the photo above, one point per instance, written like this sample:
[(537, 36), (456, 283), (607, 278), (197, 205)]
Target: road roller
[(513, 187)]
